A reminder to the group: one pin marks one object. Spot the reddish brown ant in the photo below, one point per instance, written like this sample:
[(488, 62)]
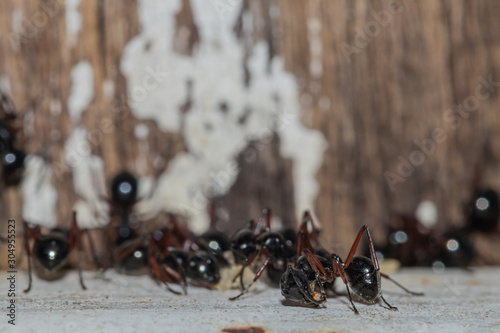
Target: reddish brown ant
[(305, 281)]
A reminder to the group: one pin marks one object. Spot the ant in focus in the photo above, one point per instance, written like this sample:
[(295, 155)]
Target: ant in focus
[(51, 250), (304, 283)]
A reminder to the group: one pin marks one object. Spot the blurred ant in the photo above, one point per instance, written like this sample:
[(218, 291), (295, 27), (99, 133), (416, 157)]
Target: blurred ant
[(130, 250), (181, 264), (51, 250), (12, 158), (483, 210), (248, 246), (213, 240), (124, 187), (305, 282), (414, 244)]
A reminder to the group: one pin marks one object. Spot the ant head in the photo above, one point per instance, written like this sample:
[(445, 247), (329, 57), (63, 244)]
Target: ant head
[(297, 287), (274, 243), (243, 245), (124, 189), (216, 243), (203, 269)]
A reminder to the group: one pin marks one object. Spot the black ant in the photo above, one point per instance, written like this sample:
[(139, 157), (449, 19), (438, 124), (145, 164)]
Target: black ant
[(294, 246), (137, 254), (172, 264), (248, 246), (130, 253), (123, 197), (483, 210), (51, 250), (414, 244), (12, 158), (213, 240), (304, 283)]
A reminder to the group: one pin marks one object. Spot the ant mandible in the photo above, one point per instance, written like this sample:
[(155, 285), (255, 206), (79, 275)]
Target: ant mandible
[(51, 251)]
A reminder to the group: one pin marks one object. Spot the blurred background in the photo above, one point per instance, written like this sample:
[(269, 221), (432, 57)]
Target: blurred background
[(355, 110)]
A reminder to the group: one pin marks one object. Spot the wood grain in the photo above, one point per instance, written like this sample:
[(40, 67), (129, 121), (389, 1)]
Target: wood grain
[(414, 63)]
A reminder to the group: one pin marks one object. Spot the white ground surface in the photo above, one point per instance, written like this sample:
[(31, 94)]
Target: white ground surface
[(455, 301)]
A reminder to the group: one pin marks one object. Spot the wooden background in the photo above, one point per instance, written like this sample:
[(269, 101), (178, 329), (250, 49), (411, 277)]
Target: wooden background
[(376, 94)]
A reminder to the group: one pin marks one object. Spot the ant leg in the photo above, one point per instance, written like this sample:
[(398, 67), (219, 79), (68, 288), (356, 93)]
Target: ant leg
[(180, 231), (159, 275), (266, 216), (307, 296), (28, 233), (303, 243), (256, 277), (75, 236), (164, 273), (179, 276), (339, 270), (93, 252), (393, 308), (317, 268), (400, 286), (306, 220), (245, 265), (354, 247)]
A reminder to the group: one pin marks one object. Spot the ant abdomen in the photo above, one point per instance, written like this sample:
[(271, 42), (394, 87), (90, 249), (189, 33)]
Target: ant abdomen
[(51, 251), (364, 279), (274, 243)]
